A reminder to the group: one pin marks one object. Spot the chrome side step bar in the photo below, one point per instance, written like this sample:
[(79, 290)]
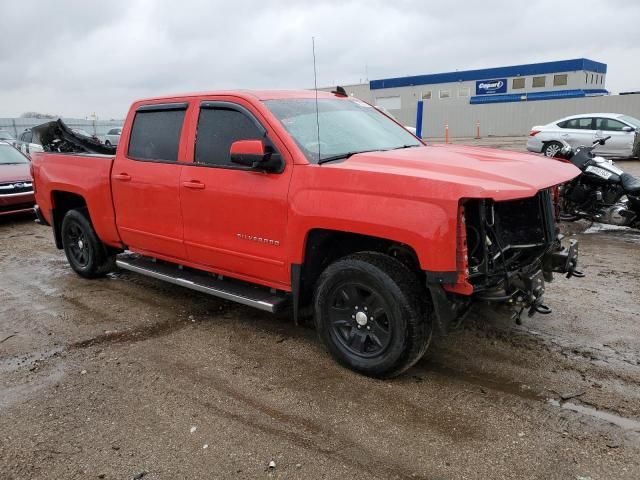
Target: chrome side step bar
[(247, 294)]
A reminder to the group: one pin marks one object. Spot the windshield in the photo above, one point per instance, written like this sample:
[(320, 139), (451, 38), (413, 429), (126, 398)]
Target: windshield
[(9, 155), (346, 127), (630, 120)]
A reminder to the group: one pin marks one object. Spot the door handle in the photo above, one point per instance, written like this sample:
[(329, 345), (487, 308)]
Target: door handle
[(194, 184), (125, 177)]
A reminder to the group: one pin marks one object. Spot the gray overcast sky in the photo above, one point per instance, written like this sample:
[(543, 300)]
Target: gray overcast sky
[(77, 57)]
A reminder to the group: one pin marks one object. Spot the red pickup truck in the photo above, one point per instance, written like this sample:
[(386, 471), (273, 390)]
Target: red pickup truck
[(276, 197)]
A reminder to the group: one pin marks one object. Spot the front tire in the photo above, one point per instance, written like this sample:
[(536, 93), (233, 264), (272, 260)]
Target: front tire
[(372, 315), (86, 254), (551, 149), (107, 143)]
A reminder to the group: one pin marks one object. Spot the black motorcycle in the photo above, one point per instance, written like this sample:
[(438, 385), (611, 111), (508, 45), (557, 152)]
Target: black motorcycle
[(602, 192)]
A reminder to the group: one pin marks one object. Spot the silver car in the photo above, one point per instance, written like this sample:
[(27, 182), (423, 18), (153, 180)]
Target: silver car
[(584, 129), (112, 137), (25, 143)]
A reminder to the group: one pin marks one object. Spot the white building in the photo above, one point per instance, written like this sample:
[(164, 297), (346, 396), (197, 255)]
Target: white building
[(459, 94)]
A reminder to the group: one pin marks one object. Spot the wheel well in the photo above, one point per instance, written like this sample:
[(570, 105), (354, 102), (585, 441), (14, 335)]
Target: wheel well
[(63, 202), (323, 247)]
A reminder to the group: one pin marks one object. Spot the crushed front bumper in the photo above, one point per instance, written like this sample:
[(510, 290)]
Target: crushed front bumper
[(524, 289)]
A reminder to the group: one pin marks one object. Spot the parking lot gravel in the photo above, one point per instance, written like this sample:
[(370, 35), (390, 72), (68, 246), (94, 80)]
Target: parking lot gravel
[(128, 377)]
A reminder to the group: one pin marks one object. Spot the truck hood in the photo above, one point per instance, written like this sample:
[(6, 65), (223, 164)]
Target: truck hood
[(476, 172), (14, 173)]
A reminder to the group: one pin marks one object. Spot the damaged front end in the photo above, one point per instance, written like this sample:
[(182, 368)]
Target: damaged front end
[(513, 248)]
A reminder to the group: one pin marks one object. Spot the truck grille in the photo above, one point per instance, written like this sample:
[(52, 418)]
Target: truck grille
[(16, 187), (506, 237)]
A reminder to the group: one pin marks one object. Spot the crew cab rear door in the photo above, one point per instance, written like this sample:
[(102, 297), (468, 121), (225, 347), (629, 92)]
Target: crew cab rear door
[(235, 219), (145, 182)]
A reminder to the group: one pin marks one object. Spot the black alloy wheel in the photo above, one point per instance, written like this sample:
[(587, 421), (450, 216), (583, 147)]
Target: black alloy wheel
[(86, 254), (373, 314), (78, 246), (359, 319)]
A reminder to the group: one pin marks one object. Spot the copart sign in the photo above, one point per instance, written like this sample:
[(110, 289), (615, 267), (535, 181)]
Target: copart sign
[(487, 87)]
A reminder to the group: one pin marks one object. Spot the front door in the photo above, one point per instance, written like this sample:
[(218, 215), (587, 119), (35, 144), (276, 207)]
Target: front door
[(235, 220), (145, 183), (621, 142)]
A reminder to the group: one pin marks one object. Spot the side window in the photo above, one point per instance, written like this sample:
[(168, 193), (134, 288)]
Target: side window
[(560, 79), (609, 124), (155, 135), (517, 83), (579, 123), (26, 137), (585, 123), (218, 128), (538, 82)]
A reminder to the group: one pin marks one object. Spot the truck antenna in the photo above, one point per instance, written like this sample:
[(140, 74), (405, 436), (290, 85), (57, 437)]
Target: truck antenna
[(315, 86)]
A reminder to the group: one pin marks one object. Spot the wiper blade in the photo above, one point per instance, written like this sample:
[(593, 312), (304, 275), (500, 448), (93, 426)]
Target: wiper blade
[(405, 146), (342, 156)]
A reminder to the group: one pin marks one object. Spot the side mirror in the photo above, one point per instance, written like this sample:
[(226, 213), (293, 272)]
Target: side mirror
[(254, 155), (627, 128)]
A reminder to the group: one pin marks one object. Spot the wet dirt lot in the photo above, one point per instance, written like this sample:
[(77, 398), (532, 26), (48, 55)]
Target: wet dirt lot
[(127, 376)]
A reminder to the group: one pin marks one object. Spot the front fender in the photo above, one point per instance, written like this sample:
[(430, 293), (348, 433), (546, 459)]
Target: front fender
[(428, 228)]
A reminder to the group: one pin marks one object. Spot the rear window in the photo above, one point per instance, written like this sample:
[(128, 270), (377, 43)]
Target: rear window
[(155, 135)]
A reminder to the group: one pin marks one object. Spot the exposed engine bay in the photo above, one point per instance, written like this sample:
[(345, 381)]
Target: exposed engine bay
[(513, 248), (57, 137)]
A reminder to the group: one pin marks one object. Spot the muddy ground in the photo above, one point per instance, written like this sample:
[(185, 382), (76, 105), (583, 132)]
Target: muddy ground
[(128, 377)]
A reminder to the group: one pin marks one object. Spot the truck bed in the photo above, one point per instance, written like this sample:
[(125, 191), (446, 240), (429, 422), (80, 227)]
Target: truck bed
[(58, 176)]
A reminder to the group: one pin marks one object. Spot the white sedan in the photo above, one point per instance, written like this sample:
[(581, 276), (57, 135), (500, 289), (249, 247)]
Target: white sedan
[(579, 130)]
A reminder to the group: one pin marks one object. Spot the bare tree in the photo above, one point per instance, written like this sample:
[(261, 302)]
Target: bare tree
[(37, 115)]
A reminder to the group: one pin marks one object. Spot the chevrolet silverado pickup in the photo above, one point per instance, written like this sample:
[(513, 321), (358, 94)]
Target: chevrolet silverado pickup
[(323, 203)]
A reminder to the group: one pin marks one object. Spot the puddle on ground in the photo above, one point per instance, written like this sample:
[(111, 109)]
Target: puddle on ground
[(622, 422), (17, 393), (11, 364)]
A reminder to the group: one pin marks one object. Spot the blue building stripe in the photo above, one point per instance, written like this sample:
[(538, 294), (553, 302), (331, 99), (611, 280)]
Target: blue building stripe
[(489, 73), (530, 97)]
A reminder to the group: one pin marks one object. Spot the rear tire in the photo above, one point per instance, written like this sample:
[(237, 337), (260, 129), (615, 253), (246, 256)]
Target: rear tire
[(372, 315), (86, 254), (551, 149)]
